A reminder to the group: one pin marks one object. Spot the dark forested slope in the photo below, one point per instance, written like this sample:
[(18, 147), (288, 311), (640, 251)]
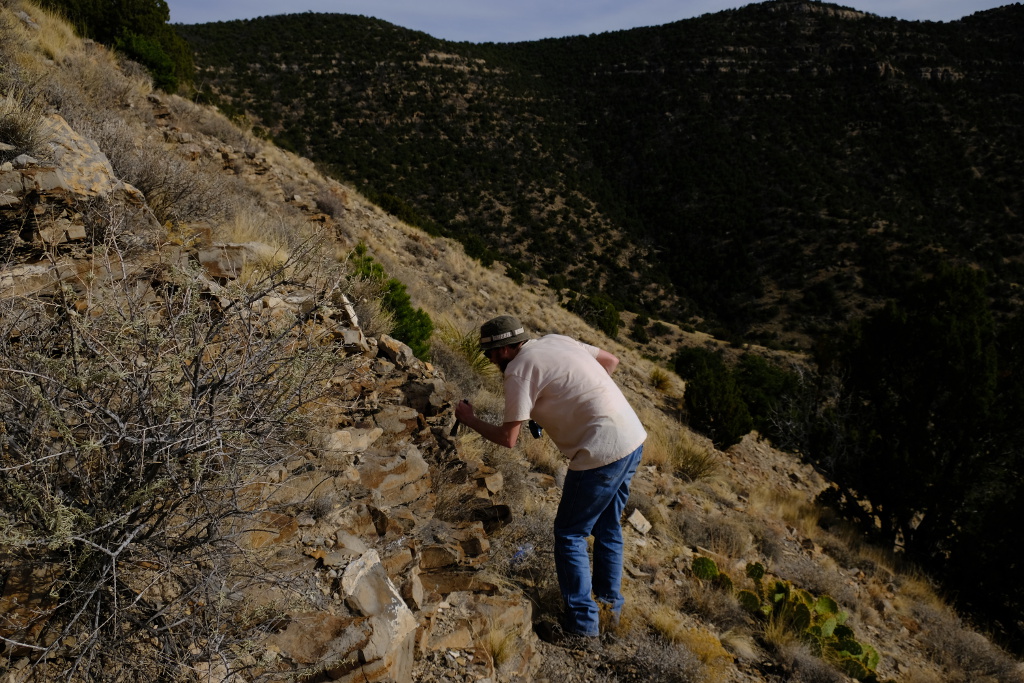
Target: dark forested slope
[(771, 169)]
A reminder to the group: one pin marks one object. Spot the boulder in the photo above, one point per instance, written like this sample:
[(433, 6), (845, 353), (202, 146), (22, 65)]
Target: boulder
[(399, 478), (395, 351)]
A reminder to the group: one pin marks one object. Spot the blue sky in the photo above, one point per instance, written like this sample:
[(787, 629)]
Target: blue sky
[(514, 20)]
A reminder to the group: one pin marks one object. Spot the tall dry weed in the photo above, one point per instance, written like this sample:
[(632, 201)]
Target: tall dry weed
[(56, 39), (21, 126)]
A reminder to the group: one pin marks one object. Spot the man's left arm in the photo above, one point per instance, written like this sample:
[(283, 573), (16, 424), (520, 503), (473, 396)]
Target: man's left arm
[(608, 361)]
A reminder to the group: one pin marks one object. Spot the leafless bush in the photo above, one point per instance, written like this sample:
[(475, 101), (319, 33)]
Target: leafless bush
[(807, 574), (523, 551), (805, 667), (175, 189), (963, 654), (138, 423), (717, 606), (768, 538), (457, 372), (667, 662), (89, 87), (331, 202)]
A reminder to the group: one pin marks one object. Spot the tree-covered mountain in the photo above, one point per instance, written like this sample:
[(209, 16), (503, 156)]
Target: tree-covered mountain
[(772, 168)]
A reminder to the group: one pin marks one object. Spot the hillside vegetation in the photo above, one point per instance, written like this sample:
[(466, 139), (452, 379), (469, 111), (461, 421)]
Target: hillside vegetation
[(796, 173), (219, 465), (765, 172)]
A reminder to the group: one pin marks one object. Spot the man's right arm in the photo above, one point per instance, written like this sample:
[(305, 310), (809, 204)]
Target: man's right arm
[(505, 434)]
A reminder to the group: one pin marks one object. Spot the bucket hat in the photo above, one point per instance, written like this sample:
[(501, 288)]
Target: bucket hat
[(501, 331)]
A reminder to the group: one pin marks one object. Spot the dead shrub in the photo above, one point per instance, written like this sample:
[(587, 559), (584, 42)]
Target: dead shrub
[(175, 189), (132, 438), (963, 654), (805, 666), (728, 536), (819, 580), (523, 552), (717, 606), (667, 662)]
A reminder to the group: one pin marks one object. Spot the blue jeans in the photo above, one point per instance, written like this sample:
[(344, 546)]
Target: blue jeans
[(592, 503)]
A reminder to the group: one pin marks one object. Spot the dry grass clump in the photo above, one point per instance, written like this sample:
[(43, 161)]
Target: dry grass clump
[(21, 126), (676, 450), (544, 456), (789, 506), (660, 379), (56, 38), (692, 461), (248, 222)]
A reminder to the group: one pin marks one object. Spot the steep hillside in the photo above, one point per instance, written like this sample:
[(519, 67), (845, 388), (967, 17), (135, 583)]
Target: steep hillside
[(218, 465), (777, 168)]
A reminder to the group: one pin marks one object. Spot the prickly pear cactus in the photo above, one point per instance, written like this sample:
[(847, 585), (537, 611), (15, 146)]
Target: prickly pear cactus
[(704, 568), (817, 621)]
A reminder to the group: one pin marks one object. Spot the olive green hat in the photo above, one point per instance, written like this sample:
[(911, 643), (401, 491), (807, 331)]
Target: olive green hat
[(501, 331)]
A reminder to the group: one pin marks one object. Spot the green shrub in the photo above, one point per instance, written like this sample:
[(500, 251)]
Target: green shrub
[(763, 387), (713, 401), (139, 29), (597, 310), (411, 325)]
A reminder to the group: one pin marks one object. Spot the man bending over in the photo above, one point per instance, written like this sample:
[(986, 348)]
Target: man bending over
[(566, 387)]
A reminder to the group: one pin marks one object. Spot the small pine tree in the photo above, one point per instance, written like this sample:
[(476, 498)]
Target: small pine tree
[(713, 401), (412, 325)]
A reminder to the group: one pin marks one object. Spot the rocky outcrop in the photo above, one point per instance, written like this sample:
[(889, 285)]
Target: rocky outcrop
[(355, 516), (45, 207)]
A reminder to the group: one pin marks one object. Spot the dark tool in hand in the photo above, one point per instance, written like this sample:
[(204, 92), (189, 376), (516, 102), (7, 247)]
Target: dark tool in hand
[(455, 427)]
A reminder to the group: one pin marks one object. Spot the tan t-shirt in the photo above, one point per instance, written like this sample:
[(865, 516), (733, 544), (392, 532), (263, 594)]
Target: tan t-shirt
[(557, 381)]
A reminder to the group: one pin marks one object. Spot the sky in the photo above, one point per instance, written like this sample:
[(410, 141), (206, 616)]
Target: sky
[(502, 21)]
